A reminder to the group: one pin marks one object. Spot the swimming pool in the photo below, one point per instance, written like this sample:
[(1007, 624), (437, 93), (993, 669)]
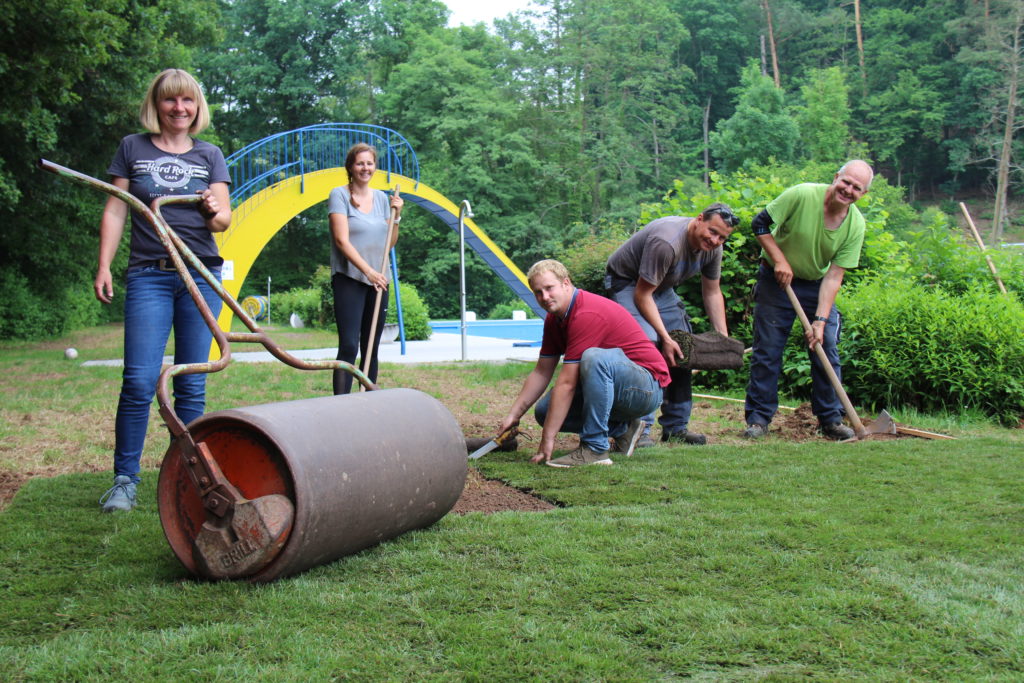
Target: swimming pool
[(526, 330)]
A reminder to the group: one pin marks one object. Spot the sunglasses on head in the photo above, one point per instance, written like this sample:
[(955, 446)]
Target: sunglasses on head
[(727, 216)]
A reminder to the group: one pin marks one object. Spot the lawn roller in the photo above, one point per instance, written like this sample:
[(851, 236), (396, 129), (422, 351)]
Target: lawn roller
[(267, 491)]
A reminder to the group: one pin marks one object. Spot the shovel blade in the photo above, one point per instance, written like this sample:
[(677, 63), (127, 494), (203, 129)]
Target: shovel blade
[(251, 540), (883, 424)]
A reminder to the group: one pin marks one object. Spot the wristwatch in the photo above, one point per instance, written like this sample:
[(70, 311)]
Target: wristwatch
[(818, 318)]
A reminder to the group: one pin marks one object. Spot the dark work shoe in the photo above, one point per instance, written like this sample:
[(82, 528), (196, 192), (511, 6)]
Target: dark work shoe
[(755, 430), (645, 441), (120, 496), (684, 436), (626, 442), (837, 432)]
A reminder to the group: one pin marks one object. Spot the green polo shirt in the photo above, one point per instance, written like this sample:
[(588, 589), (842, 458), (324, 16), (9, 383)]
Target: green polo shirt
[(799, 230)]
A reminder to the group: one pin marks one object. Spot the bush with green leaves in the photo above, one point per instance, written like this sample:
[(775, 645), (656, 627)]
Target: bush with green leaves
[(934, 350), (504, 311), (415, 314), (589, 251), (304, 302), (321, 281), (33, 312)]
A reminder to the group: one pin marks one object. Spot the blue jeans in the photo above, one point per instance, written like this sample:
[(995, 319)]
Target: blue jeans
[(154, 302), (773, 322), (677, 400), (612, 391)]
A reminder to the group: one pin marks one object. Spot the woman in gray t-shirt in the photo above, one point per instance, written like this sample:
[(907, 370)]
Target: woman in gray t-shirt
[(358, 218)]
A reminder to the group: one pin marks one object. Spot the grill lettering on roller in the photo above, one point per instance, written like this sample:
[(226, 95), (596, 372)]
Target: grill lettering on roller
[(239, 551)]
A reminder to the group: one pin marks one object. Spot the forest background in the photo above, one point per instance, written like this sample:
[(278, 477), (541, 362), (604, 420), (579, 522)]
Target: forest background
[(566, 126)]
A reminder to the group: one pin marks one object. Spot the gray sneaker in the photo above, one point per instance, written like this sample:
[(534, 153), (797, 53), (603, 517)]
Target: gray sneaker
[(581, 456), (837, 432), (120, 496), (627, 441), (755, 430)]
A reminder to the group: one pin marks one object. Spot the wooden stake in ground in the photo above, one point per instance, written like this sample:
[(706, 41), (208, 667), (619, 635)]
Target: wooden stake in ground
[(988, 259), (371, 347)]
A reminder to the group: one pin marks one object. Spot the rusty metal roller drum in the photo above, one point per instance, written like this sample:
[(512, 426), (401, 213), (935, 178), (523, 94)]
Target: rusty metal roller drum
[(358, 469)]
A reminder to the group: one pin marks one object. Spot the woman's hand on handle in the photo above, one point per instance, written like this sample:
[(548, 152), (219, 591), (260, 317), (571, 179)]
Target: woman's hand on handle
[(378, 280)]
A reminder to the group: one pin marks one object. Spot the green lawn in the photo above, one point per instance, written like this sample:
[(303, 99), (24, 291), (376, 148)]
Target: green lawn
[(882, 560)]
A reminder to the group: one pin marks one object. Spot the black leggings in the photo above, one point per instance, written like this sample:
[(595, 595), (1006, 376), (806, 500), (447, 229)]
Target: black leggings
[(353, 314)]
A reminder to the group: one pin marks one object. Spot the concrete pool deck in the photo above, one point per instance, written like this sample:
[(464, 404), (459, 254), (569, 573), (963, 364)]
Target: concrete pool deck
[(440, 348)]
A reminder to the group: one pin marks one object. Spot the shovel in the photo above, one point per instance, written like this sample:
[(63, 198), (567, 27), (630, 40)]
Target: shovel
[(883, 424)]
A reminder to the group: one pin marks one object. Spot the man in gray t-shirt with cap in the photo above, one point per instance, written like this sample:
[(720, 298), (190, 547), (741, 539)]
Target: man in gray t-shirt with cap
[(642, 276)]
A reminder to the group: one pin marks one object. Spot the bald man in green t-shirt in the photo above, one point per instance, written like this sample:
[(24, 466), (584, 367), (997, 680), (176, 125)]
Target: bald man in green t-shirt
[(809, 235)]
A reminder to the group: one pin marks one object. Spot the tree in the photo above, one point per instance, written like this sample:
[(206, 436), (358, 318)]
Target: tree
[(993, 49), (761, 129), (284, 65), (824, 118), (908, 112), (75, 73), (449, 100)]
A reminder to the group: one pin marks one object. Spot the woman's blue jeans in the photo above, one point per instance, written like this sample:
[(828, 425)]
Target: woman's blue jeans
[(611, 391), (156, 301), (773, 322)]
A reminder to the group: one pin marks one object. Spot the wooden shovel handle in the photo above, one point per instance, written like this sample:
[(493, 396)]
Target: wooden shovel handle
[(858, 426), (371, 347)]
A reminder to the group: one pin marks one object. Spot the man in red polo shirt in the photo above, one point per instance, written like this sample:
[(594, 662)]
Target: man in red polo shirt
[(612, 375)]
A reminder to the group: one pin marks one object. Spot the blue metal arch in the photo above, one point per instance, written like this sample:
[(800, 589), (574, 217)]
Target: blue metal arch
[(265, 162)]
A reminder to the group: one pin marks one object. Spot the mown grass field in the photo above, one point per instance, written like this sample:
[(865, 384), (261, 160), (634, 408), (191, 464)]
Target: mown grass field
[(881, 560)]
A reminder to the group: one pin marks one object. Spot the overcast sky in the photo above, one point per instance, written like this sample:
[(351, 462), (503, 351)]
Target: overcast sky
[(472, 11)]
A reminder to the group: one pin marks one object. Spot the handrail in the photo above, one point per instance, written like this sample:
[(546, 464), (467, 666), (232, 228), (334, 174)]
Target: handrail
[(309, 149)]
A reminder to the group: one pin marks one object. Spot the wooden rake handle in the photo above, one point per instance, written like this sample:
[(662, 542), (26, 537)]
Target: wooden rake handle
[(858, 426), (371, 347)]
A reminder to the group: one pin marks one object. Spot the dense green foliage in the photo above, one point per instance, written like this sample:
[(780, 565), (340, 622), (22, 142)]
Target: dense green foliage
[(415, 313), (564, 125), (504, 311), (315, 306), (934, 350), (301, 301), (74, 74), (556, 123)]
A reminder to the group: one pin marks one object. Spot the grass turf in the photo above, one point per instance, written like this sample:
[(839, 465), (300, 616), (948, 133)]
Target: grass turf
[(895, 560), (886, 560)]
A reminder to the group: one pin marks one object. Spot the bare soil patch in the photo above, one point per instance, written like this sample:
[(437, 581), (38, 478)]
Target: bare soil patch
[(477, 404), (487, 496)]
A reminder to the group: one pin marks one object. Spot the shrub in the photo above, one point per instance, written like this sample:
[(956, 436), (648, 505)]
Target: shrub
[(415, 314), (25, 312), (318, 303), (305, 302), (321, 281), (931, 350), (504, 311), (589, 253)]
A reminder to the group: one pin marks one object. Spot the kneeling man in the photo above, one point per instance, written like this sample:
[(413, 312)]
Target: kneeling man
[(612, 375)]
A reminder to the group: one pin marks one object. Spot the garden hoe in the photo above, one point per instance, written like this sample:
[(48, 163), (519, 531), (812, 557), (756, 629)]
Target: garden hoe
[(883, 424)]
